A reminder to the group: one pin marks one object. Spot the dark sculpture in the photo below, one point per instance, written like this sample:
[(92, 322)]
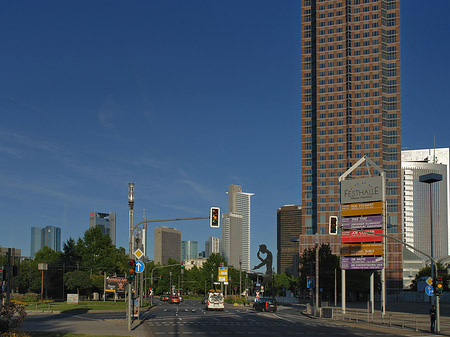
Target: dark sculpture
[(267, 261)]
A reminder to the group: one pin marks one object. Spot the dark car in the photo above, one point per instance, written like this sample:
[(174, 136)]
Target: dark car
[(265, 304)]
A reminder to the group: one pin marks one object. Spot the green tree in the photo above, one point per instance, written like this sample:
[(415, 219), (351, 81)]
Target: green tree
[(97, 254), (53, 277), (328, 263), (79, 281), (426, 272)]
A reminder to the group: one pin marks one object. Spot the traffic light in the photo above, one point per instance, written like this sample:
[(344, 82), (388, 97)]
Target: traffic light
[(131, 271), (439, 286), (333, 224), (214, 217)]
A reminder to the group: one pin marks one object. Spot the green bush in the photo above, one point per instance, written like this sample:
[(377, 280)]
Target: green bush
[(31, 297), (12, 316), (17, 297)]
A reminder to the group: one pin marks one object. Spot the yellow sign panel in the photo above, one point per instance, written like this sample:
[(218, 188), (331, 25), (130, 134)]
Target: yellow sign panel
[(362, 249), (223, 278), (365, 208), (223, 271)]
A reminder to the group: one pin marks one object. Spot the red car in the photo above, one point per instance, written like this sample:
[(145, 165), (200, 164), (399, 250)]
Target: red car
[(174, 300)]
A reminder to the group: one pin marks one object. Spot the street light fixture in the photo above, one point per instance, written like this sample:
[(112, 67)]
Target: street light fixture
[(297, 260), (429, 179)]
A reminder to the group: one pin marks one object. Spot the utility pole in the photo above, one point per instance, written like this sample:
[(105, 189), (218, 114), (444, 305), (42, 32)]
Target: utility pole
[(130, 245), (317, 274)]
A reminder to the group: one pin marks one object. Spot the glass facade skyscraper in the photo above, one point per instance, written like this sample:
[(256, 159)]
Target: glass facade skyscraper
[(49, 236), (106, 222), (236, 228)]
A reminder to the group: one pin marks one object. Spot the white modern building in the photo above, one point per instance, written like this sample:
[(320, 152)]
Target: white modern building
[(236, 228), (416, 201), (212, 246)]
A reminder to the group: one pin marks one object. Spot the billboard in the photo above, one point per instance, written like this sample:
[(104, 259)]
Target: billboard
[(361, 190), (361, 209), (362, 222), (369, 262), (116, 283), (357, 236), (362, 249)]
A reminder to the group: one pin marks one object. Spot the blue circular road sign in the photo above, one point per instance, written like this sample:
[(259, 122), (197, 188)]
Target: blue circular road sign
[(140, 266), (429, 290)]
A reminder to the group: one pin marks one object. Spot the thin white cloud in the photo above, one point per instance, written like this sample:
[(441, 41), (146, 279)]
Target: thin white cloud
[(201, 190), (11, 151), (107, 113), (23, 140)]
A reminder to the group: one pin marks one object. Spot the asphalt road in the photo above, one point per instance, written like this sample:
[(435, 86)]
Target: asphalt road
[(191, 319)]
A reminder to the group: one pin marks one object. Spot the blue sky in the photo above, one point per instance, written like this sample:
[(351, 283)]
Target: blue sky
[(180, 97)]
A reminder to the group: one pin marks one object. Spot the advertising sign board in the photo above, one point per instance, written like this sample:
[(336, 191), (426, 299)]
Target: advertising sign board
[(367, 208), (363, 249), (115, 283), (361, 190), (363, 222), (369, 262), (356, 236), (72, 298)]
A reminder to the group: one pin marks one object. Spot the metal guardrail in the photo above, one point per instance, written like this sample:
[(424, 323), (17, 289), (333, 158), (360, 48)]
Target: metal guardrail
[(416, 322)]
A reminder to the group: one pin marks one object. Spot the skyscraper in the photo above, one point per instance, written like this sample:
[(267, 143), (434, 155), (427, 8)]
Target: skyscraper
[(236, 228), (212, 246), (189, 250), (289, 221), (49, 236), (167, 245), (106, 222), (416, 202), (350, 108)]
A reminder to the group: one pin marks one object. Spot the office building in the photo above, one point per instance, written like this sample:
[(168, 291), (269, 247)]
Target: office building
[(289, 220), (189, 250), (236, 228), (49, 236), (212, 246), (416, 202), (167, 245), (106, 222), (350, 109)]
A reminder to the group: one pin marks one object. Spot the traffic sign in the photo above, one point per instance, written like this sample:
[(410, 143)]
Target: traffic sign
[(429, 290), (429, 281), (140, 266), (138, 253)]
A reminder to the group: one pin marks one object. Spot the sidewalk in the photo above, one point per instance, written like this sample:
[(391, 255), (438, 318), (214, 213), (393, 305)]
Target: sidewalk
[(411, 317), (59, 322)]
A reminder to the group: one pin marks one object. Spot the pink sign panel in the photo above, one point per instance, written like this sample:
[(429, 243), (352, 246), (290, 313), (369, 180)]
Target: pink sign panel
[(373, 262), (357, 236), (362, 222)]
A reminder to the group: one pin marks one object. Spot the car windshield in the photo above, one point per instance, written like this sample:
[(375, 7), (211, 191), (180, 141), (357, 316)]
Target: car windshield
[(215, 297)]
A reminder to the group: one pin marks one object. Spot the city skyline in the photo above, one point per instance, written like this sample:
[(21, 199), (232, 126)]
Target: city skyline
[(89, 105)]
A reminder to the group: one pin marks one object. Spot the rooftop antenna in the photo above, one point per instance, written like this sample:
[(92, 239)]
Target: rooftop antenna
[(434, 155)]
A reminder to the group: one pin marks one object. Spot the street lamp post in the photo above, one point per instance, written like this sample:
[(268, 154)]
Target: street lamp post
[(429, 179), (297, 260), (317, 274), (130, 243)]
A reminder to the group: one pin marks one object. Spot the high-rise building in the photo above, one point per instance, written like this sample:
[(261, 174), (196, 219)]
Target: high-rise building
[(212, 246), (350, 108), (106, 222), (49, 236), (236, 228), (416, 202), (433, 156), (289, 221), (167, 245), (189, 250)]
